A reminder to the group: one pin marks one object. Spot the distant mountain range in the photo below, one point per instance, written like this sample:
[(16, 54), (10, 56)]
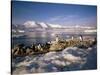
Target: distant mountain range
[(42, 26)]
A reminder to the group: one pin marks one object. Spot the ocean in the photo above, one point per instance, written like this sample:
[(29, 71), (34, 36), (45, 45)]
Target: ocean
[(43, 37)]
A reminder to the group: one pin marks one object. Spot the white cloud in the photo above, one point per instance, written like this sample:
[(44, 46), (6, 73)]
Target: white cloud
[(62, 18), (55, 18)]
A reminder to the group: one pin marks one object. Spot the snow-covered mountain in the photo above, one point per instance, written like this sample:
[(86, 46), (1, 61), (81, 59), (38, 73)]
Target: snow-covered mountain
[(33, 24), (42, 26), (30, 24)]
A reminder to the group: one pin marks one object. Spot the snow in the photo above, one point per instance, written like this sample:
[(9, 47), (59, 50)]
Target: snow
[(13, 30), (71, 58), (55, 25), (21, 31), (29, 24), (91, 31), (43, 25)]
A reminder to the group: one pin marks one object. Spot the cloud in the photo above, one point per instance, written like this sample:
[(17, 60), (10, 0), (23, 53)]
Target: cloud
[(55, 18), (63, 18), (74, 19)]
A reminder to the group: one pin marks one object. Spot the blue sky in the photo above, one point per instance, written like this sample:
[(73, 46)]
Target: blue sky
[(64, 14)]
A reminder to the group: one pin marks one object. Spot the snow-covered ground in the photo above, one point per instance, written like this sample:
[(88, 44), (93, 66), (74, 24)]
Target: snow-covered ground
[(69, 59)]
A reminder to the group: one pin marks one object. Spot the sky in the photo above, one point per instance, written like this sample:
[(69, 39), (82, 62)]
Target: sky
[(64, 14)]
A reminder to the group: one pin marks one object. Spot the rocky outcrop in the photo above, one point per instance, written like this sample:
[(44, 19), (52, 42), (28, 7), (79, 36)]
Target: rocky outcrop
[(22, 50)]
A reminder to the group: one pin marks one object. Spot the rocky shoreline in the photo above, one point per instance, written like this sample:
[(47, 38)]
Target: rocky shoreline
[(58, 45)]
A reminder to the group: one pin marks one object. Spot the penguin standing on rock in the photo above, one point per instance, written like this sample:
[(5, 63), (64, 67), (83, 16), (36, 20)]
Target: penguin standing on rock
[(72, 38), (57, 38), (81, 38)]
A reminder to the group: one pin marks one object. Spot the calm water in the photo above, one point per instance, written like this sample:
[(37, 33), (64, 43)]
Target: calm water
[(42, 37)]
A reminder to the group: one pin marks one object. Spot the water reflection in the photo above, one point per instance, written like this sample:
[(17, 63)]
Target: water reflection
[(42, 37)]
